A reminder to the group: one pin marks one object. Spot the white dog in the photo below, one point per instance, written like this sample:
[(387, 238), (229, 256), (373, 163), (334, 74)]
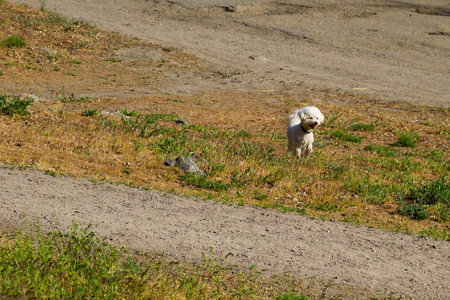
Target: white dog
[(300, 126)]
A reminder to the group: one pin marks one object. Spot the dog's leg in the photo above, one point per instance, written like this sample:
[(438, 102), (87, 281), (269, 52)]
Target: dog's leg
[(299, 152), (308, 150)]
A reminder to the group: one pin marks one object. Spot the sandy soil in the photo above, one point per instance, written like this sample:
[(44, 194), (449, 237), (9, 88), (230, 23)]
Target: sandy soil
[(388, 50)]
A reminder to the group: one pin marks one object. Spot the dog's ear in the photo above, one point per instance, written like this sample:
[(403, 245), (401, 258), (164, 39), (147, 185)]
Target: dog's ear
[(301, 113), (321, 118)]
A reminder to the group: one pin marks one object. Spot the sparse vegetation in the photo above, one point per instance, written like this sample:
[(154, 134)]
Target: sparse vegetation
[(422, 197), (14, 107), (407, 139), (81, 265), (345, 136), (12, 42)]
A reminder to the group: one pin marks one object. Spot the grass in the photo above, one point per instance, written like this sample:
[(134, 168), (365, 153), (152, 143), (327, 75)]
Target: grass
[(12, 42), (407, 139), (426, 196), (345, 136), (80, 265)]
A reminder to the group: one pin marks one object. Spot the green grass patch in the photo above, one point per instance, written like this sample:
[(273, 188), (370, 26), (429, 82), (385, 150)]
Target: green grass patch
[(382, 150), (12, 42), (360, 126), (345, 136), (424, 197), (407, 139), (14, 107), (202, 182)]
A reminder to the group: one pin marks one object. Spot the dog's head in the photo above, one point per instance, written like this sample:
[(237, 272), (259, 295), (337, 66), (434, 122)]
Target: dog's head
[(310, 117)]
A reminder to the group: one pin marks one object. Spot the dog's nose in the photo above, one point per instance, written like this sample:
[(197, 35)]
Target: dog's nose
[(315, 123)]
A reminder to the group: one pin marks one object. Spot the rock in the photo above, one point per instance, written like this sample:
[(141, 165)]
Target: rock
[(186, 164), (182, 122)]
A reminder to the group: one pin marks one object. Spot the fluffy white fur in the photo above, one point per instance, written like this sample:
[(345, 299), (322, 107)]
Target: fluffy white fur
[(300, 130)]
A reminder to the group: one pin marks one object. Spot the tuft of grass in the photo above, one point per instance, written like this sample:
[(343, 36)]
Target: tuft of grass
[(407, 139), (129, 113), (12, 42), (359, 126), (202, 182), (88, 112), (14, 107), (423, 197), (76, 265), (382, 150), (345, 136)]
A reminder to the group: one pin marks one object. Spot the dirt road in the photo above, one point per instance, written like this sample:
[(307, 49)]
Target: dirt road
[(389, 50)]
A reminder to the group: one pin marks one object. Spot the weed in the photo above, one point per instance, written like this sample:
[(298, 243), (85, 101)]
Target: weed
[(336, 169), (332, 120), (414, 211), (55, 68), (260, 196), (226, 74), (326, 207), (421, 197), (407, 139), (291, 296), (345, 136), (434, 232), (382, 150), (238, 181), (215, 269), (201, 182), (12, 42), (75, 62), (359, 126), (14, 107), (88, 112), (129, 113)]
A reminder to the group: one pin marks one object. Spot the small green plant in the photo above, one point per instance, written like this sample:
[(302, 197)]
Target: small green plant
[(414, 211), (421, 197), (345, 136), (14, 107), (382, 150), (12, 42), (88, 112), (407, 139), (359, 126), (291, 296), (326, 207), (75, 62), (260, 196), (226, 74), (128, 113), (215, 269)]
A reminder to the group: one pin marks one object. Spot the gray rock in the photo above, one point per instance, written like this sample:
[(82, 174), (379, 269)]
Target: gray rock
[(186, 164)]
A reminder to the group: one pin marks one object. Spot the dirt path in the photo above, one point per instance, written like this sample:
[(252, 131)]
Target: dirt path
[(279, 242), (389, 50)]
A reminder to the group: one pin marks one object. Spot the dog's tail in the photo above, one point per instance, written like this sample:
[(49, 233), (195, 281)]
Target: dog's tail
[(294, 118)]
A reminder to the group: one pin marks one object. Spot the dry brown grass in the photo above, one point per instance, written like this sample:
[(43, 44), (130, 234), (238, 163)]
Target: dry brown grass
[(57, 138)]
